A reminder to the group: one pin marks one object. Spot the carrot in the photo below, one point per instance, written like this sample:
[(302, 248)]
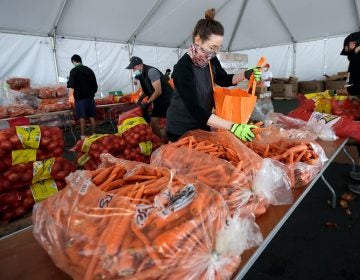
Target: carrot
[(111, 177), (96, 172), (114, 185), (102, 176), (138, 177)]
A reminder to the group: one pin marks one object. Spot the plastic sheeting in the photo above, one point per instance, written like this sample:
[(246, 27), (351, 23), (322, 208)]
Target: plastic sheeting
[(27, 56)]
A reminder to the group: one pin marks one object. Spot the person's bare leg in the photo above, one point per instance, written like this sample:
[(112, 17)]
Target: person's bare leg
[(93, 125), (155, 122), (82, 127)]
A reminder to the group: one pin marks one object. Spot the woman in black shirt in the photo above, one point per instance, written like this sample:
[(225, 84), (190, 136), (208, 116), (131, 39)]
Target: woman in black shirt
[(193, 100)]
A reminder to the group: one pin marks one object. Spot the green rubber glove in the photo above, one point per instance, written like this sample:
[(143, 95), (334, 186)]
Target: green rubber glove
[(243, 131), (256, 71)]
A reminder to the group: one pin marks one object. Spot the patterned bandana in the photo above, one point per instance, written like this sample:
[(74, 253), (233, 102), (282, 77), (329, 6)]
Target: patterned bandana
[(199, 56)]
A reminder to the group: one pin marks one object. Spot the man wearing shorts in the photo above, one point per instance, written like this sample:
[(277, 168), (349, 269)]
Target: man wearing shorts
[(82, 84), (155, 86)]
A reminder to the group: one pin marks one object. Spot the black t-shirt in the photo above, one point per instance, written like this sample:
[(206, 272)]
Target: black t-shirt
[(354, 68), (82, 79)]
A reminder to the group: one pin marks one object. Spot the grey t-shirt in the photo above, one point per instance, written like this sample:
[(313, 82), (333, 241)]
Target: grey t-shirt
[(154, 75)]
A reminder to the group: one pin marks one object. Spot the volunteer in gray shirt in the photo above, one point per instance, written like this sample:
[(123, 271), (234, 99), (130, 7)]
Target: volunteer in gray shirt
[(155, 86)]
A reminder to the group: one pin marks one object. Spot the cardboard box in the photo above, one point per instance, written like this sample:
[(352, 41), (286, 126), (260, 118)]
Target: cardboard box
[(334, 84), (311, 86), (282, 90), (260, 89)]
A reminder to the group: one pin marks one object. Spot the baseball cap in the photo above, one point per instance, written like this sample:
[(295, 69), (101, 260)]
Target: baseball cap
[(135, 60), (350, 38)]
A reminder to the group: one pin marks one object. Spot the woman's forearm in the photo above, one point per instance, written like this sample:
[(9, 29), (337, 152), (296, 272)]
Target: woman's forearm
[(217, 122)]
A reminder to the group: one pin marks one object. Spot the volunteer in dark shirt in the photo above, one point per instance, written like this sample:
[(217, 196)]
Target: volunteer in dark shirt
[(82, 84), (352, 50), (193, 101), (155, 86)]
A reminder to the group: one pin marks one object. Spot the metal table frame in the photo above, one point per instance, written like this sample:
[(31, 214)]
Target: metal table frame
[(267, 239)]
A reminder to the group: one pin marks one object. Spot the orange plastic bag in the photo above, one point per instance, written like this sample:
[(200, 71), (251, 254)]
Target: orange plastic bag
[(236, 105)]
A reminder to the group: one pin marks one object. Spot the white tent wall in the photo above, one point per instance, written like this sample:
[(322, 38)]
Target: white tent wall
[(313, 60), (280, 59), (66, 48), (27, 56), (113, 58)]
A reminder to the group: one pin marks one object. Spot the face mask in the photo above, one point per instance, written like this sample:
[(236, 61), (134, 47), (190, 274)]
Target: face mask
[(199, 56), (137, 73)]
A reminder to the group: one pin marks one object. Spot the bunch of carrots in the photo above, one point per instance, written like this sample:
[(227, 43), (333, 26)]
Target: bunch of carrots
[(226, 169), (299, 156), (132, 222)]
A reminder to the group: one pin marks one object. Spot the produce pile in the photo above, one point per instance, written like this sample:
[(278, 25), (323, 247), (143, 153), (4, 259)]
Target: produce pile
[(303, 159), (223, 163), (135, 141), (31, 167), (164, 227)]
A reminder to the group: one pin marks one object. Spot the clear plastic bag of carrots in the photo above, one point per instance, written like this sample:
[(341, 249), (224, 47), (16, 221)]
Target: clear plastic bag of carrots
[(303, 159), (228, 166), (184, 233)]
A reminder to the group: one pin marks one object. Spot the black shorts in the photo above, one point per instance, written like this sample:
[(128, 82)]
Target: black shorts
[(159, 110), (85, 108)]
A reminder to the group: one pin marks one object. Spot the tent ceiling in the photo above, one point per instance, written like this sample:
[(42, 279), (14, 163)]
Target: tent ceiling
[(170, 22)]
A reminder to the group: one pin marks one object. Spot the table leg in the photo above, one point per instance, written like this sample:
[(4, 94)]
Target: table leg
[(351, 159), (70, 126), (333, 194)]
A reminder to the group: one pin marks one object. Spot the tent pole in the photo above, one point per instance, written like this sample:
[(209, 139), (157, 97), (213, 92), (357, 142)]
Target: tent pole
[(58, 16), (325, 48), (281, 20), (146, 19), (237, 23), (53, 45), (356, 8), (98, 67), (130, 52), (294, 59)]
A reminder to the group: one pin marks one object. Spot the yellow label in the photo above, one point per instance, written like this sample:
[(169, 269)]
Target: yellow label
[(89, 140), (145, 148), (83, 159), (117, 98), (340, 97), (42, 169), (23, 156), (29, 136), (129, 123), (43, 189)]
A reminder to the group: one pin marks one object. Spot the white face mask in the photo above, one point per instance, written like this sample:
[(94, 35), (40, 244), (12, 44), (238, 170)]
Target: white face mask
[(137, 72)]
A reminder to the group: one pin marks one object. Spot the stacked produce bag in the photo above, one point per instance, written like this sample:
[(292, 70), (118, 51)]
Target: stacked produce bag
[(222, 162), (134, 141), (150, 224), (31, 167)]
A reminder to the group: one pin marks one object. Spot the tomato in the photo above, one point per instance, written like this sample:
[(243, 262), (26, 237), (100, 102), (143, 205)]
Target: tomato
[(28, 202), (58, 151), (27, 177), (6, 145), (52, 146), (94, 147), (61, 175), (13, 177), (19, 211), (7, 216), (45, 141), (45, 132)]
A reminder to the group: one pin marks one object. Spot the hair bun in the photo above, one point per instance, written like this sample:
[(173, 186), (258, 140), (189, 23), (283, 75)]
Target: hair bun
[(210, 14)]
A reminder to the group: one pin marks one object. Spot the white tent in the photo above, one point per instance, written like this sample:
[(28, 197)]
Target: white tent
[(298, 37)]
